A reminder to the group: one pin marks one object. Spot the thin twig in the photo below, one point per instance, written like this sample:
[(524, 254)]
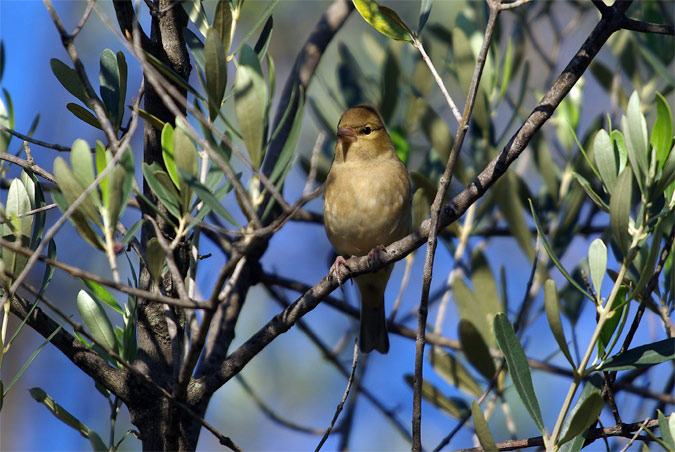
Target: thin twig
[(342, 401), (44, 144), (444, 183)]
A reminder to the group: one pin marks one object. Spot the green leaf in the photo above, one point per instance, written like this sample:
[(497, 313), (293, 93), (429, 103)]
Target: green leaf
[(263, 41), (131, 232), (384, 20), (165, 193), (156, 258), (587, 414), (619, 209), (507, 71), (597, 263), (616, 314), (185, 152), (79, 221), (205, 195), (483, 433), (484, 286), (83, 169), (84, 114), (605, 159), (425, 10), (195, 11), (71, 190), (69, 79), (122, 68), (592, 386), (121, 182), (667, 427), (597, 200), (552, 306), (553, 256), (168, 153), (620, 142), (640, 357), (475, 349), (262, 17), (453, 406), (222, 23), (520, 371), (216, 71), (634, 127), (18, 204), (470, 310), (250, 103), (109, 79), (506, 196), (662, 132), (452, 371), (102, 294), (95, 319), (196, 47), (29, 361)]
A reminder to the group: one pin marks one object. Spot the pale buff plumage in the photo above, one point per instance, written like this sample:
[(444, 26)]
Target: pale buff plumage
[(367, 205)]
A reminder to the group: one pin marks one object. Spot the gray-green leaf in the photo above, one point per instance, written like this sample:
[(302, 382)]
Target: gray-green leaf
[(552, 306), (95, 319), (520, 371), (250, 103), (619, 209)]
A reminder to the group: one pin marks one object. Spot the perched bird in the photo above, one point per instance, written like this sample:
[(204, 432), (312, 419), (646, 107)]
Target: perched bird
[(367, 207)]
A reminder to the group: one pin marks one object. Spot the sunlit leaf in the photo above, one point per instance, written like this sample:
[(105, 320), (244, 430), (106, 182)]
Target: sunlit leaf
[(667, 428), (96, 320), (384, 20), (634, 127), (605, 159), (222, 22)]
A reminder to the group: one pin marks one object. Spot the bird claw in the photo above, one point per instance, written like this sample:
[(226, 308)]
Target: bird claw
[(375, 255), (335, 269)]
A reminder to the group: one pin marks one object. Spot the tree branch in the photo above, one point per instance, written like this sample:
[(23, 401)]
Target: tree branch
[(624, 430)]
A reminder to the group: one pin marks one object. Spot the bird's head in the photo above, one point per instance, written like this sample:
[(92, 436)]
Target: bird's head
[(362, 134)]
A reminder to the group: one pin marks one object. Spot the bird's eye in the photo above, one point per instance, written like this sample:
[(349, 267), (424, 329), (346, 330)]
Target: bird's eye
[(366, 130)]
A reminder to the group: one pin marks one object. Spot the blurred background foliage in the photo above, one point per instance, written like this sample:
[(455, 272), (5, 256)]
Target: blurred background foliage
[(488, 255)]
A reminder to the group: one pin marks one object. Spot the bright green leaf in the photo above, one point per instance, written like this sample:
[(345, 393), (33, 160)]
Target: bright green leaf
[(384, 20), (96, 320)]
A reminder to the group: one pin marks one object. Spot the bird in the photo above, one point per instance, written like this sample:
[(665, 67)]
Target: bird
[(367, 206)]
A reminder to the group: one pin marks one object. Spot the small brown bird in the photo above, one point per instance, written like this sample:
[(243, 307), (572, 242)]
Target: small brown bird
[(367, 207)]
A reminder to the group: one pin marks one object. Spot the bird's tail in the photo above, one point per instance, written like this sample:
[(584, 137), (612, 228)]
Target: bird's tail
[(373, 332)]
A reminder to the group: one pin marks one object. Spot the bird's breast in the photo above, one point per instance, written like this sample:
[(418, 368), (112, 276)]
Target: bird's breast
[(366, 204)]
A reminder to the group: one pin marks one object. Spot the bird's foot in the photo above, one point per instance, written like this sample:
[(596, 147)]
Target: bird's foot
[(335, 269), (375, 255)]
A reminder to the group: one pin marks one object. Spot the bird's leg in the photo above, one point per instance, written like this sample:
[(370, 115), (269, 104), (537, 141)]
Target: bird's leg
[(335, 269)]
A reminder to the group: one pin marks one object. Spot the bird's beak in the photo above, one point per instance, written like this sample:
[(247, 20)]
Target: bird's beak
[(346, 134)]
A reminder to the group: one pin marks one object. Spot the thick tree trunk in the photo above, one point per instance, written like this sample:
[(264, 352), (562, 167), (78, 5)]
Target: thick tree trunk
[(161, 424)]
